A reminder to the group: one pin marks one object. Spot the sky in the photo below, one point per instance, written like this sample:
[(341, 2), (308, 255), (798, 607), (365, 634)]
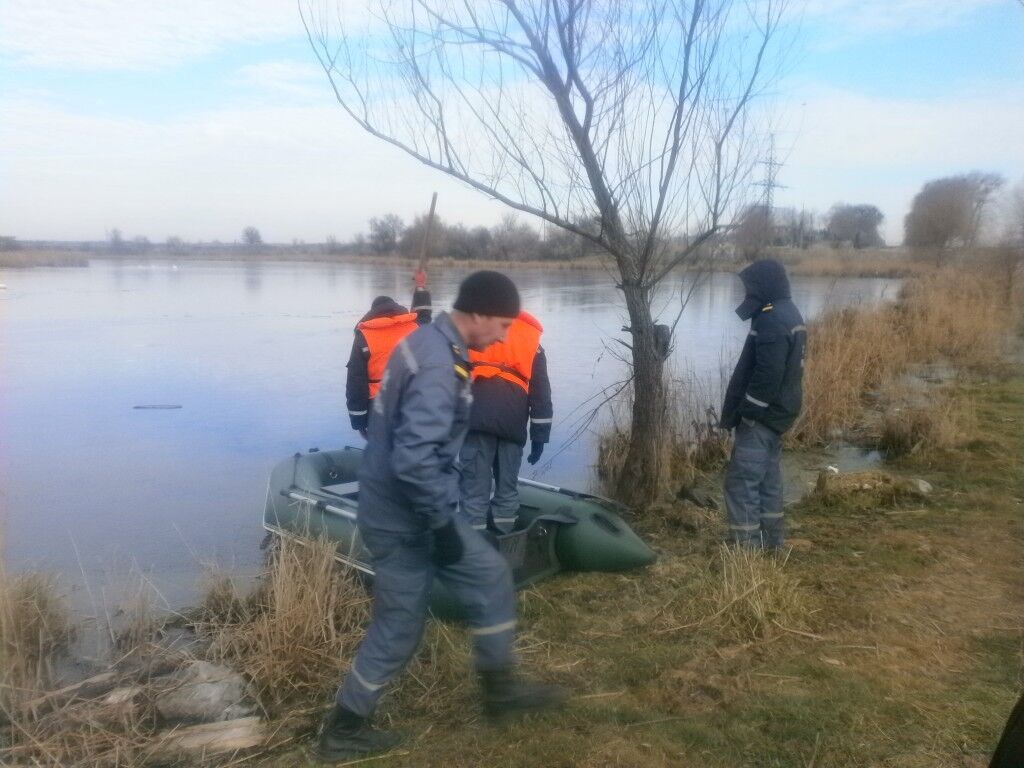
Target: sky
[(196, 119)]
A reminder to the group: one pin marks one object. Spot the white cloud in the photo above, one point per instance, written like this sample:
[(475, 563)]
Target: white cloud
[(861, 149), (843, 21), (300, 172), (140, 34), (286, 77)]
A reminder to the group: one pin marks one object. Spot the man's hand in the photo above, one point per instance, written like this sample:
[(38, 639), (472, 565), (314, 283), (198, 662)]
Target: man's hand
[(448, 547), (363, 433), (536, 449)]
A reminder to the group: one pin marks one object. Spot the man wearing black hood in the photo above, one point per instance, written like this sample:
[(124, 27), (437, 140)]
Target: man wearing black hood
[(377, 334), (762, 401)]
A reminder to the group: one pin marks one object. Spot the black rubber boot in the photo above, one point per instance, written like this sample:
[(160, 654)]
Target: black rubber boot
[(506, 694), (345, 735)]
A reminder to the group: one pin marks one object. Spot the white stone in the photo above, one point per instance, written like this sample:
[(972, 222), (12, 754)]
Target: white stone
[(204, 692)]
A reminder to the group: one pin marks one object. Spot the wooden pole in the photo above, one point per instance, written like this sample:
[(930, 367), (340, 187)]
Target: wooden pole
[(422, 267)]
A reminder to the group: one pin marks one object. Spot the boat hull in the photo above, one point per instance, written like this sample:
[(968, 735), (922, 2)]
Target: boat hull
[(316, 494)]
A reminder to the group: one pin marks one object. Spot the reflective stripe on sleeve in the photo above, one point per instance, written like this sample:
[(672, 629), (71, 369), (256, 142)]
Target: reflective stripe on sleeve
[(755, 401), (541, 421), (357, 413), (407, 355)]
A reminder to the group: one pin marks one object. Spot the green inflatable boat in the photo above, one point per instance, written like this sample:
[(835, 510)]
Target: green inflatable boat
[(317, 493)]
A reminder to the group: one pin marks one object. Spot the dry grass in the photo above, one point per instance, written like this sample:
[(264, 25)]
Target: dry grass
[(25, 259), (951, 316), (693, 447), (821, 260), (946, 424), (296, 634), (35, 626), (35, 629), (748, 595)]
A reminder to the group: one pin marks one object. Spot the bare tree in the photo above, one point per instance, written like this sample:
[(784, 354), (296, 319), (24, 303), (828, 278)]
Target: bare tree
[(636, 115), (753, 231), (948, 212), (855, 224), (252, 237), (115, 240), (385, 232)]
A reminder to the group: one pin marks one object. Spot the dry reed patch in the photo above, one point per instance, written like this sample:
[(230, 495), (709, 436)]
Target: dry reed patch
[(951, 315), (954, 314), (945, 425), (35, 626), (827, 261), (750, 595), (89, 734), (849, 352), (296, 635), (691, 447)]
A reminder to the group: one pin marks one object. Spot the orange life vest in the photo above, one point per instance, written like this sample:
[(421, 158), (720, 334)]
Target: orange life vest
[(382, 335), (511, 359)]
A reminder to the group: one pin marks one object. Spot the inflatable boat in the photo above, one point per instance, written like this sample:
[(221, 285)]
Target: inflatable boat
[(317, 494)]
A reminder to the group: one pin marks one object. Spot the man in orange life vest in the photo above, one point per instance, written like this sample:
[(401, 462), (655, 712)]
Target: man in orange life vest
[(377, 333), (510, 387)]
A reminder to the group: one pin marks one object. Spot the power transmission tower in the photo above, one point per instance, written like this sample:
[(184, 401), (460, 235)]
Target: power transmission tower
[(770, 183)]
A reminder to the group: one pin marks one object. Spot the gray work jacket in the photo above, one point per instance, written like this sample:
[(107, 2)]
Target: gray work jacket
[(409, 477)]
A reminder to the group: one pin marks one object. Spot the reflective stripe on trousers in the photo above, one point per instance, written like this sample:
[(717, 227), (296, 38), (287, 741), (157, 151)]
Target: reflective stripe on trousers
[(753, 487), (404, 574)]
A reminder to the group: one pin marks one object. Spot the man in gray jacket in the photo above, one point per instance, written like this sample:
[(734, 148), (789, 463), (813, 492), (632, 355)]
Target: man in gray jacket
[(408, 496)]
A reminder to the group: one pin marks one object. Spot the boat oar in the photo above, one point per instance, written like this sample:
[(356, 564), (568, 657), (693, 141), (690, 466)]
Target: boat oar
[(421, 302)]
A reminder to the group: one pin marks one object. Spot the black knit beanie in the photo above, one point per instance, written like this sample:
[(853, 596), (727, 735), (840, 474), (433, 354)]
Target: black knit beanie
[(488, 293), (381, 300)]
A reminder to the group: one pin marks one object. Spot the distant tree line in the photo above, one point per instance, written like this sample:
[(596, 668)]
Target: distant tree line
[(512, 239), (947, 215)]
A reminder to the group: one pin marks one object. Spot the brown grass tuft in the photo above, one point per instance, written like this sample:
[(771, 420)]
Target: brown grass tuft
[(751, 595), (296, 635), (945, 425), (35, 626)]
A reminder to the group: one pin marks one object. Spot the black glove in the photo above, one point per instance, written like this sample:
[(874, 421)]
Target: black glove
[(536, 449), (448, 548)]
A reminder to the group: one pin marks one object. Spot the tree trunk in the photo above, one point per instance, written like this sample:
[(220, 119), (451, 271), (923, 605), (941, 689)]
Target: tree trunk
[(638, 483)]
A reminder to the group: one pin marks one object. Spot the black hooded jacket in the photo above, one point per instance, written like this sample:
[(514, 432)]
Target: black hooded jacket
[(357, 385), (766, 386)]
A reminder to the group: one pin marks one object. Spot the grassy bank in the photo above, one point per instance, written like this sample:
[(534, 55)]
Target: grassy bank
[(891, 635), (26, 259), (863, 377)]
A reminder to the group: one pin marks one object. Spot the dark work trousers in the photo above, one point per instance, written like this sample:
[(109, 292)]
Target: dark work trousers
[(403, 575), (753, 487), (485, 457)]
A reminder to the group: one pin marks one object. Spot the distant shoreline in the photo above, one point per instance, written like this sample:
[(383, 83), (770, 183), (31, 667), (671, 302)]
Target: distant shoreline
[(812, 262)]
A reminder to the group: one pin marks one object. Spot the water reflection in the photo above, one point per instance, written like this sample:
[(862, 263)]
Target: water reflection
[(255, 355)]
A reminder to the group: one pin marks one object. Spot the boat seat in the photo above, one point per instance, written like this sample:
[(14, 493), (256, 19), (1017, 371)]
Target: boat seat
[(343, 490)]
